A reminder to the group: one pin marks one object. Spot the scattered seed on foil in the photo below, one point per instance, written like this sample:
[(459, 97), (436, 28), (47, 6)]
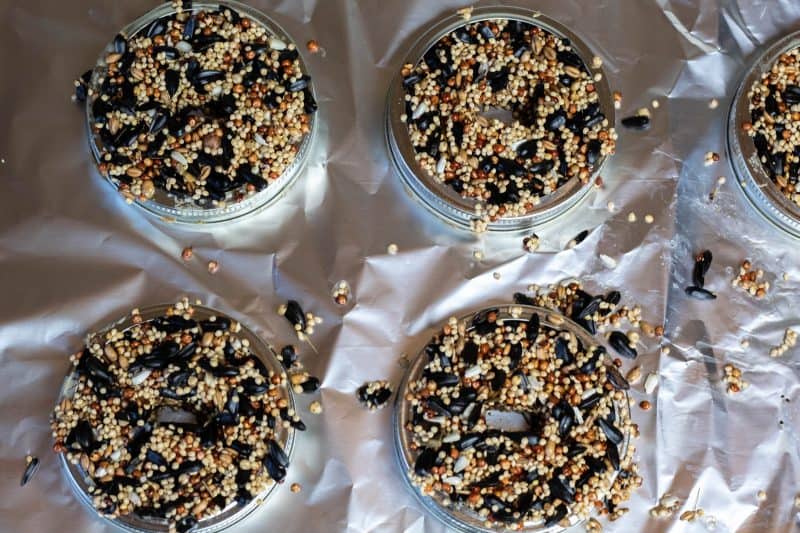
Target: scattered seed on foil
[(374, 394), (650, 383), (636, 122), (31, 467)]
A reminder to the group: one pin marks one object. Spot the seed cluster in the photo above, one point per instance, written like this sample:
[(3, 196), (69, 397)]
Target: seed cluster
[(668, 504), (302, 322), (120, 424), (207, 106), (595, 313), (789, 341), (570, 460), (775, 122), (530, 243), (374, 394), (341, 292), (558, 132), (751, 280), (732, 377)]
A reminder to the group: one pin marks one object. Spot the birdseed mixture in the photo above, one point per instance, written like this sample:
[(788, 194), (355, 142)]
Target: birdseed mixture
[(570, 460), (120, 424), (558, 131), (775, 122), (751, 280), (207, 106), (374, 395)]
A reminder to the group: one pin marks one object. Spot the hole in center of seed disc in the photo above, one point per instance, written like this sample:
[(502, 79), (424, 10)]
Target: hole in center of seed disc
[(506, 421), (498, 113), (168, 415)]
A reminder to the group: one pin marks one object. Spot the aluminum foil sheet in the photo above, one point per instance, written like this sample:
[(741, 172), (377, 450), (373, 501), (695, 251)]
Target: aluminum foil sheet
[(75, 256)]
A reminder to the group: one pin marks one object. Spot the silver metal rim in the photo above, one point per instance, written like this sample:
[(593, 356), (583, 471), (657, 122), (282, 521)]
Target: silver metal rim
[(441, 199), (755, 183), (163, 205), (453, 517), (233, 514)]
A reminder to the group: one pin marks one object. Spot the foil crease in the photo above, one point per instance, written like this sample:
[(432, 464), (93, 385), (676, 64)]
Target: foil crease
[(75, 257)]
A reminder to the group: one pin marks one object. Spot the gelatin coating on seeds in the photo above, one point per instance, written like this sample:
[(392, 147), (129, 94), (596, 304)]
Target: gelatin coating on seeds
[(558, 131), (207, 106), (562, 390), (153, 466)]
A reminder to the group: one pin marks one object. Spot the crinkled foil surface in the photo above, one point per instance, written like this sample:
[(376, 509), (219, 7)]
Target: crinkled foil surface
[(75, 257)]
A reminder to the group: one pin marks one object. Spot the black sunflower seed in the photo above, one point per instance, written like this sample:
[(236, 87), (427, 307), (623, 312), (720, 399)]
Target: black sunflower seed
[(278, 454), (593, 151), (295, 315), (274, 469), (555, 121), (621, 343), (31, 468), (612, 453), (157, 27), (616, 379), (188, 29), (172, 78), (700, 293), (288, 356), (527, 149), (425, 461), (791, 95), (443, 379), (610, 430), (636, 122), (542, 167), (484, 321)]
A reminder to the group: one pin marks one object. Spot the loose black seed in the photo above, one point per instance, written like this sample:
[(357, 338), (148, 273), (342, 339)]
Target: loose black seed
[(288, 356), (698, 277), (295, 315), (31, 468), (580, 237), (700, 293), (637, 122), (620, 342), (310, 385)]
